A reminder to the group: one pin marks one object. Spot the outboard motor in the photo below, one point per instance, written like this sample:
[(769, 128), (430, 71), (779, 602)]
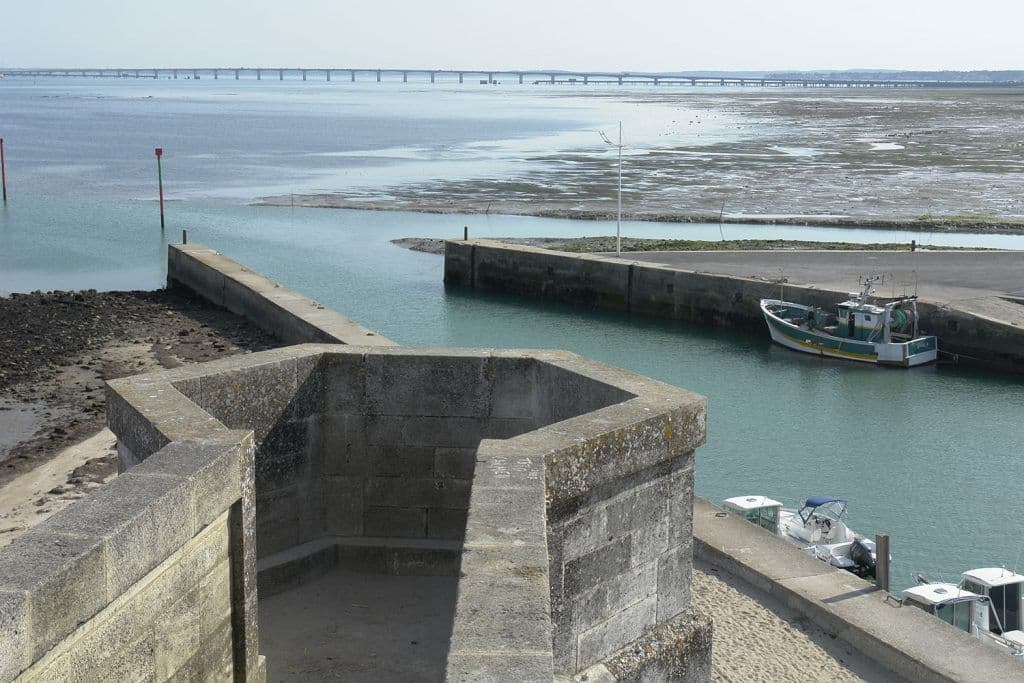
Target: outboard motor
[(863, 558)]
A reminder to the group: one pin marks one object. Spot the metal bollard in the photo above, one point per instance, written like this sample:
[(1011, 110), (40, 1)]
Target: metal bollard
[(465, 233)]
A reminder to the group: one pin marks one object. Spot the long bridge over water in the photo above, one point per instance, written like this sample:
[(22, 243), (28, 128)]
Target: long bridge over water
[(493, 77)]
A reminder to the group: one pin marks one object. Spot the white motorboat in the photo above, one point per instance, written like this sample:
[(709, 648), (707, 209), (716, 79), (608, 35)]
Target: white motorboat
[(988, 604), (817, 528)]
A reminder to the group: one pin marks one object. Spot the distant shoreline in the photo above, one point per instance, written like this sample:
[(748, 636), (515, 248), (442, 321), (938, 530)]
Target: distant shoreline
[(923, 224), (434, 245)]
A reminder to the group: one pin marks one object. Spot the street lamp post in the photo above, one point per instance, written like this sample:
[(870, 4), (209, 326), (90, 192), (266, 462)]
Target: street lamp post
[(618, 219)]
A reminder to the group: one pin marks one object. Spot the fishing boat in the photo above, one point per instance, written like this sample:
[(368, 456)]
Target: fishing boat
[(988, 603), (817, 528), (885, 334)]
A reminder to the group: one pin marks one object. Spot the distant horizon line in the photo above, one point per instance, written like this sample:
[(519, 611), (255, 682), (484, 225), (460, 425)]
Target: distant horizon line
[(538, 70)]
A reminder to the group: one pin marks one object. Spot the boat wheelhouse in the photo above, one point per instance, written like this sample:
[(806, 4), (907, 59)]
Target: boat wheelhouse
[(1005, 591), (884, 334), (962, 609), (986, 604)]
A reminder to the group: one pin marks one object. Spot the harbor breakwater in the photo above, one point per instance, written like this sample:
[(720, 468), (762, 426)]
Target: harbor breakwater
[(642, 287)]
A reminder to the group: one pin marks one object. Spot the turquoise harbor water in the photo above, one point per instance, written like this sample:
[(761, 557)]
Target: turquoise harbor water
[(931, 456)]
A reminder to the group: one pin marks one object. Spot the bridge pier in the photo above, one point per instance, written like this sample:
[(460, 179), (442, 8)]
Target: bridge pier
[(656, 80), (216, 74), (405, 77), (460, 77), (620, 80), (520, 79), (353, 74), (303, 73), (378, 75), (280, 74), (328, 75), (490, 79), (552, 78), (195, 74), (175, 74), (431, 76), (586, 79), (259, 74)]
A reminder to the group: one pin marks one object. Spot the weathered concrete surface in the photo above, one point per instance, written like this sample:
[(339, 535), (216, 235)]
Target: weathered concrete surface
[(348, 626), (907, 641), (973, 301), (288, 315)]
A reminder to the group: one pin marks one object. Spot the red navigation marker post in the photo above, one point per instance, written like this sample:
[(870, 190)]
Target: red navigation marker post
[(3, 170), (160, 180)]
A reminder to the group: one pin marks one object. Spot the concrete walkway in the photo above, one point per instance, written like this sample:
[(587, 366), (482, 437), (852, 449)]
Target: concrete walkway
[(912, 644), (976, 281)]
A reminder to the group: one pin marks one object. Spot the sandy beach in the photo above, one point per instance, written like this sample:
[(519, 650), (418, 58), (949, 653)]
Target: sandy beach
[(758, 639)]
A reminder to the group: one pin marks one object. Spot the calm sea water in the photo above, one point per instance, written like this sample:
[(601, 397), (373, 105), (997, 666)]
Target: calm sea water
[(931, 456)]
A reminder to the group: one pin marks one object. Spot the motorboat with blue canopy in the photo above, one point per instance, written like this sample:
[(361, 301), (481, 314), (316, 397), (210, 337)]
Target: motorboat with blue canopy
[(818, 528), (835, 506)]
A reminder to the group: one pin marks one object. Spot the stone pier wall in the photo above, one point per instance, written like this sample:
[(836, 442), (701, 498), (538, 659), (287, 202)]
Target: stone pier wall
[(651, 289)]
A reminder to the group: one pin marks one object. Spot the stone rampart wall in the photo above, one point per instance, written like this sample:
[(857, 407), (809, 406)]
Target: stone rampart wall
[(149, 578), (288, 315)]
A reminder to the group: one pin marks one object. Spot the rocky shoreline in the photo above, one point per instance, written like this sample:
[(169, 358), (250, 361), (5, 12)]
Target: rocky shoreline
[(987, 225), (58, 348), (433, 245)]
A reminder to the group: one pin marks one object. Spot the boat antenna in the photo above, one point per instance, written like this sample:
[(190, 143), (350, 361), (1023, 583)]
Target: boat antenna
[(720, 214), (618, 221)]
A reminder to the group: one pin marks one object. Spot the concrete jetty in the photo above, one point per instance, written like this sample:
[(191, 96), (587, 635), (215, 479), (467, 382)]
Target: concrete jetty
[(972, 300)]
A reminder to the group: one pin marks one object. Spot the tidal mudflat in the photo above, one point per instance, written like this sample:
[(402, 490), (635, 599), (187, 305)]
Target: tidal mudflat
[(930, 159)]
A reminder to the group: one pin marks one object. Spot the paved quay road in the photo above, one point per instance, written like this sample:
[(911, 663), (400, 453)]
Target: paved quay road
[(978, 281)]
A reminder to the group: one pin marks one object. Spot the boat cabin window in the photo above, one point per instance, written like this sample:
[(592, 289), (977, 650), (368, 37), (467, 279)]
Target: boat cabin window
[(867, 318), (766, 518), (958, 614), (1004, 608)]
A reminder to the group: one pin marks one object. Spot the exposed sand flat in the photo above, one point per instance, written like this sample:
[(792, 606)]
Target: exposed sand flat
[(756, 638), (42, 492), (929, 159)]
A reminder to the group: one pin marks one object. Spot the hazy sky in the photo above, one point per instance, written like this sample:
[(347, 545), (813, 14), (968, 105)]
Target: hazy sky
[(656, 35)]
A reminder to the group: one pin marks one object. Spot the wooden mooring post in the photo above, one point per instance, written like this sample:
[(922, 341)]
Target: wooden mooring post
[(3, 169), (882, 561)]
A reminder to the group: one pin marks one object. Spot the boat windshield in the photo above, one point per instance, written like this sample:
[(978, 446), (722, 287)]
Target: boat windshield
[(957, 613), (766, 518), (832, 507)]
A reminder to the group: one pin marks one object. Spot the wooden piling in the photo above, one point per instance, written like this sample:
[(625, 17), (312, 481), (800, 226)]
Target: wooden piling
[(160, 182), (3, 169), (882, 561)]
